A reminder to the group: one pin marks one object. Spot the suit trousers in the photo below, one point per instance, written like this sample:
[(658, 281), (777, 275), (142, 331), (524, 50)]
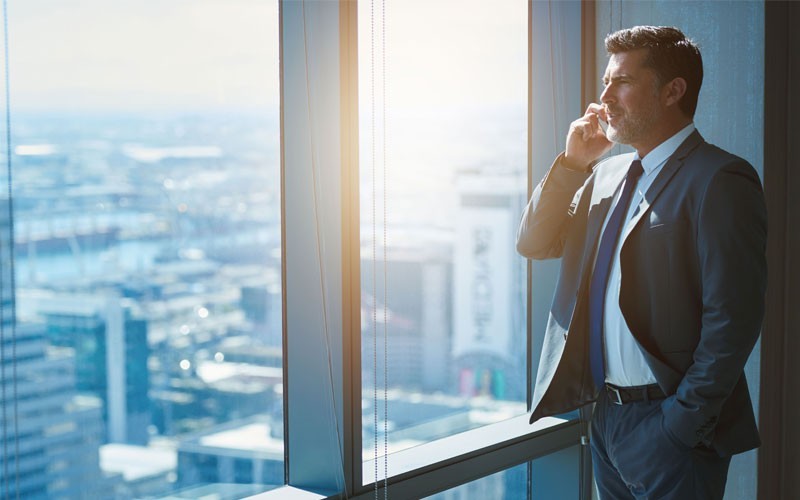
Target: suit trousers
[(635, 457)]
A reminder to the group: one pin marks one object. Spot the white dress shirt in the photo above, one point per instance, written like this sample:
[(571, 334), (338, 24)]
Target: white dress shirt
[(625, 363)]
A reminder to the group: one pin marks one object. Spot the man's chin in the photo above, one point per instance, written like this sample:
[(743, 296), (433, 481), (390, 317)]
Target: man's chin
[(615, 135)]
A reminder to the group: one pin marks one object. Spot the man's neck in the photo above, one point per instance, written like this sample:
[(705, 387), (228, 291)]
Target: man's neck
[(667, 130)]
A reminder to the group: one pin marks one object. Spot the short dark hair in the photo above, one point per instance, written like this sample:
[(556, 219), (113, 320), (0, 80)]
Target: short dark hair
[(670, 55)]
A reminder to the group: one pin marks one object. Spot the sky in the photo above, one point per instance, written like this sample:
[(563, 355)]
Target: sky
[(153, 54), (456, 92), (449, 53), (456, 70), (106, 55)]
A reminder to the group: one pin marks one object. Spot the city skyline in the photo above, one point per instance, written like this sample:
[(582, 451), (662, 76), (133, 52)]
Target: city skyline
[(195, 265), (146, 180)]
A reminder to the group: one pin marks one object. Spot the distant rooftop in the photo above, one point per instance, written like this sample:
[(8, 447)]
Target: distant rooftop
[(248, 438), (137, 462), (35, 150), (252, 437), (213, 371), (154, 155)]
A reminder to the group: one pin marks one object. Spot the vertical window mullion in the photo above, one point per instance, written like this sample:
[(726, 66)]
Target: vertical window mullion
[(351, 243), (316, 431)]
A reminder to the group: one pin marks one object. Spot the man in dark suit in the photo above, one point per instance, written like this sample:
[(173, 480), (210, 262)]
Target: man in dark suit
[(660, 298)]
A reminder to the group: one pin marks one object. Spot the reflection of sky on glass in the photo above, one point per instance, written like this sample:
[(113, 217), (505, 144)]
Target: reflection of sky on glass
[(143, 54)]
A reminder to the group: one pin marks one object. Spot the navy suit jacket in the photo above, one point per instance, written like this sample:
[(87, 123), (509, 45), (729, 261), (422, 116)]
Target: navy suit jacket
[(692, 293)]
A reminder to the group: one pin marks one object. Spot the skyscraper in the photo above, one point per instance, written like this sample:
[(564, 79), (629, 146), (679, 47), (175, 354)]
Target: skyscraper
[(488, 330), (110, 345), (51, 434)]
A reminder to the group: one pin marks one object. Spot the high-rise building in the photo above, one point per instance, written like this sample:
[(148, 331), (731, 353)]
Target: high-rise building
[(417, 315), (51, 434), (488, 284), (261, 304), (111, 351)]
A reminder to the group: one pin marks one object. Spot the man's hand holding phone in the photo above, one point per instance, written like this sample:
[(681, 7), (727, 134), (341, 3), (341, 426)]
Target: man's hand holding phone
[(586, 139)]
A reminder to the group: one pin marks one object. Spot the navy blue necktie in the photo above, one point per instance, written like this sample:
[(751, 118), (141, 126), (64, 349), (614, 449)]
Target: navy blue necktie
[(602, 268)]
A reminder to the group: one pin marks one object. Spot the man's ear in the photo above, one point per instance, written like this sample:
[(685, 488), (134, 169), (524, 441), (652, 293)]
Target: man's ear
[(674, 91)]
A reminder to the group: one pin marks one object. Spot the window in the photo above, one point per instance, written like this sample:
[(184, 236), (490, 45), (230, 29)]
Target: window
[(327, 180), (443, 167), (157, 257), (145, 169)]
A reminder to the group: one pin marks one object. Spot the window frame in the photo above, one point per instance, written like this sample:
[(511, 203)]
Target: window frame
[(322, 290)]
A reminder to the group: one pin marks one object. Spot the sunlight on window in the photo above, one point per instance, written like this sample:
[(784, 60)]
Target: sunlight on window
[(449, 83)]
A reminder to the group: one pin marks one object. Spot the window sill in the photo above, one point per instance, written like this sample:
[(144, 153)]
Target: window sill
[(462, 446), (287, 493), (448, 462)]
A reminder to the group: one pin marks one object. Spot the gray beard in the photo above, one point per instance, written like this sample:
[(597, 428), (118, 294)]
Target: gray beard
[(633, 129), (619, 136)]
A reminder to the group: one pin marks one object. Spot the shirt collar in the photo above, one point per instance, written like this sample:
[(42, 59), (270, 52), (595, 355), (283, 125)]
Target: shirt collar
[(663, 151)]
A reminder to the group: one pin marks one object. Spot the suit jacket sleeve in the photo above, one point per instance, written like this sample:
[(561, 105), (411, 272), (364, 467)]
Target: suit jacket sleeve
[(543, 229), (731, 245)]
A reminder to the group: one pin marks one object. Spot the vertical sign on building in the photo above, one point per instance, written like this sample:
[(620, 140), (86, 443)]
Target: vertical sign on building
[(482, 278)]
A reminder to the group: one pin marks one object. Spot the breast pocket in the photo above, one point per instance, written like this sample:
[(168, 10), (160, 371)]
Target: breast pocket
[(660, 228)]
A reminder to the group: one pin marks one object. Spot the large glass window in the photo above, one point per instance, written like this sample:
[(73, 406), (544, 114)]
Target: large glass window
[(443, 166), (145, 168)]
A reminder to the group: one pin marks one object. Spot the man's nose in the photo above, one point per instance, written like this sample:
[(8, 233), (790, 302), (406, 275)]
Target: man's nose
[(607, 95)]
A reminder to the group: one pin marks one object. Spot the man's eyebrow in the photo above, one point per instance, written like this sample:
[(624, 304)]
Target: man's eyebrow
[(616, 78)]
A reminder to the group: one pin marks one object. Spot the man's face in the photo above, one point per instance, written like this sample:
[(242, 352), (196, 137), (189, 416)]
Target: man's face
[(631, 98)]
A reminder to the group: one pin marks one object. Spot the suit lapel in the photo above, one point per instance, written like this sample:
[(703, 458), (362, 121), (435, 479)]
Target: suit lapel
[(674, 164), (608, 182), (606, 185)]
